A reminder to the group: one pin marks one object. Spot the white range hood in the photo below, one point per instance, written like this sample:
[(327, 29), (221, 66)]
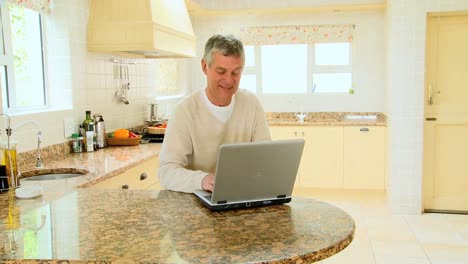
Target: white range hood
[(141, 28)]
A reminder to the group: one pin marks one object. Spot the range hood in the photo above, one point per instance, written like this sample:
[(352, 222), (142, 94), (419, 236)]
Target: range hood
[(141, 28)]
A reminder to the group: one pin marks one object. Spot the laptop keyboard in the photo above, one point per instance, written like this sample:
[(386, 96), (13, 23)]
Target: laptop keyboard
[(208, 197)]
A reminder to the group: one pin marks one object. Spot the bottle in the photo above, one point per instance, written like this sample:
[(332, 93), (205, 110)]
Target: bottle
[(10, 163), (90, 138), (100, 131), (74, 143), (88, 120)]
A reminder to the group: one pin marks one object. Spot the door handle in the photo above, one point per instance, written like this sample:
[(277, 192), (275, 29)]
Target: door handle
[(430, 101)]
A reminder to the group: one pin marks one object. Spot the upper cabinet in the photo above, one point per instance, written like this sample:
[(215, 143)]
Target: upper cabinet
[(141, 28)]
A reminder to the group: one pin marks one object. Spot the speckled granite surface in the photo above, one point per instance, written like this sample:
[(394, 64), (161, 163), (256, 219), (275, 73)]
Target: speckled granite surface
[(98, 166), (150, 226), (327, 119)]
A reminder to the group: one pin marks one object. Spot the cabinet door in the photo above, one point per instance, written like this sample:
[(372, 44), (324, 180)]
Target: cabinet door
[(322, 163), (364, 157), (290, 132), (286, 132), (133, 177)]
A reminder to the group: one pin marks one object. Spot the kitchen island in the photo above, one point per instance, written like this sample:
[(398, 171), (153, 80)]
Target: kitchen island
[(168, 227)]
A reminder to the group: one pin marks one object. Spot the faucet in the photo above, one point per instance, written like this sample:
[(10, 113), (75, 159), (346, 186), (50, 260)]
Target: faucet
[(38, 156), (301, 116), (39, 163)]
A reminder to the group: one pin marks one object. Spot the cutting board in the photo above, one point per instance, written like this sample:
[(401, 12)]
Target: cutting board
[(156, 130)]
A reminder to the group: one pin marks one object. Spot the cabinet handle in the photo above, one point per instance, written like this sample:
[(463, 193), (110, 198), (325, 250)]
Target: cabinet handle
[(302, 133), (125, 187), (143, 176), (364, 129), (295, 133)]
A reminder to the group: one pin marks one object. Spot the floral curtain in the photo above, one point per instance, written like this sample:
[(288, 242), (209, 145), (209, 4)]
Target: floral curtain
[(296, 34), (41, 6)]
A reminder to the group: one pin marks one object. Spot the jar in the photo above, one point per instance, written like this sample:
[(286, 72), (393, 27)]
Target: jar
[(76, 143)]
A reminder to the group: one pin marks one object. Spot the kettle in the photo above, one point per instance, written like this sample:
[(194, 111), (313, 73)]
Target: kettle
[(101, 136)]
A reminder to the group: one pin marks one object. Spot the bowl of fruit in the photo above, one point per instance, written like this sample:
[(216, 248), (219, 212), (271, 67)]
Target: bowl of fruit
[(123, 137)]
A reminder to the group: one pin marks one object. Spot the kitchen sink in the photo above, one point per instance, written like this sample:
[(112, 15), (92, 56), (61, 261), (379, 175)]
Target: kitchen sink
[(52, 176)]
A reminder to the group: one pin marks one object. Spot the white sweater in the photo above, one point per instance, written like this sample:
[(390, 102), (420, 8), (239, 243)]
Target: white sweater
[(194, 134)]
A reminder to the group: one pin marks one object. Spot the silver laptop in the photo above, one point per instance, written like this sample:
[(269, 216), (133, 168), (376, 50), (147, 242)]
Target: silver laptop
[(254, 174)]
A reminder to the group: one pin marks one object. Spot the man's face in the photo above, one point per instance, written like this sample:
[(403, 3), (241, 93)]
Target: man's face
[(223, 77)]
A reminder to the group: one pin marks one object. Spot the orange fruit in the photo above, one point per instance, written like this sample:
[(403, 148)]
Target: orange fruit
[(121, 133)]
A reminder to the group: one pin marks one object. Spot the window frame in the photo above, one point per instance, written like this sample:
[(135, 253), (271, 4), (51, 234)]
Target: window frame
[(8, 57), (312, 68)]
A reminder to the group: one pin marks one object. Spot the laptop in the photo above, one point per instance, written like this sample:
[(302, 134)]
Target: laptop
[(254, 174)]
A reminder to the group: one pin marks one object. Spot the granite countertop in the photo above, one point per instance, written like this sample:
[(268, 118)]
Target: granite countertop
[(327, 119), (154, 226), (98, 165)]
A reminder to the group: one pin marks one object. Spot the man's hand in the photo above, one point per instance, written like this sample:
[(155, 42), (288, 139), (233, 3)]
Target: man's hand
[(208, 182)]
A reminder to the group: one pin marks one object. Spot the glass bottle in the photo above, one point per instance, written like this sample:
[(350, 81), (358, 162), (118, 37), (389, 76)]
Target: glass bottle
[(9, 161), (88, 120)]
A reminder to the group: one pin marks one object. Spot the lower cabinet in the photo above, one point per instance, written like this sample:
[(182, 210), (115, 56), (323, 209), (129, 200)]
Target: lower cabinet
[(142, 176), (339, 156), (364, 157), (321, 163)]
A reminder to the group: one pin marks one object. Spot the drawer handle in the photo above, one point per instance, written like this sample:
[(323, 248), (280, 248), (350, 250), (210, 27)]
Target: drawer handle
[(143, 176), (125, 187), (364, 129)]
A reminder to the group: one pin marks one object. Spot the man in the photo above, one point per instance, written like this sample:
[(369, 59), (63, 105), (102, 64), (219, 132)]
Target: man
[(218, 114)]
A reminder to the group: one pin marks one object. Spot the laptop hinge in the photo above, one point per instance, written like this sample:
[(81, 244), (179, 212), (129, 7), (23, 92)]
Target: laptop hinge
[(281, 196), (221, 202)]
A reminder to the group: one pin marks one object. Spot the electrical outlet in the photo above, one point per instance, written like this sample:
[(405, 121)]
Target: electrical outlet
[(68, 127)]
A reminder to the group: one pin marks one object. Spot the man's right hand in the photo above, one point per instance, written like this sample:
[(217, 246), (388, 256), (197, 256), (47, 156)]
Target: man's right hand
[(208, 182)]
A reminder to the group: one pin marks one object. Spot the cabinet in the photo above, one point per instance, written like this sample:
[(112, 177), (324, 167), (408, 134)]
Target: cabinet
[(321, 163), (338, 157), (133, 179), (364, 157)]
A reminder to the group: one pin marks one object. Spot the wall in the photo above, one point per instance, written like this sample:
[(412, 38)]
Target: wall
[(81, 81), (369, 55), (406, 26)]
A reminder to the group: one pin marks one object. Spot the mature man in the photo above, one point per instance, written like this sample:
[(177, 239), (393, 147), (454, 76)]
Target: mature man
[(220, 113)]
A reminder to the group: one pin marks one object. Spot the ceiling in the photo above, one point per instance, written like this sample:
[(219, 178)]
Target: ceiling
[(221, 7)]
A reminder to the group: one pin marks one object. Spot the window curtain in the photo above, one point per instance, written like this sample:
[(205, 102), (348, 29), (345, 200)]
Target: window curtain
[(275, 35), (41, 6)]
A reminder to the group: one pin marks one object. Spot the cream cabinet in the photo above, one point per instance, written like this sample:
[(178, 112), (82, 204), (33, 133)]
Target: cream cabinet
[(142, 176), (364, 157), (338, 157), (321, 163)]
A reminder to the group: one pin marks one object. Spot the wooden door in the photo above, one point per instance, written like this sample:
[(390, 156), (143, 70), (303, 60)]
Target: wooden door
[(445, 164)]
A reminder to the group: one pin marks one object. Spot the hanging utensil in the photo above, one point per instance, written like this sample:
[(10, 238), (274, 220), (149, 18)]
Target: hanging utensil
[(128, 78)]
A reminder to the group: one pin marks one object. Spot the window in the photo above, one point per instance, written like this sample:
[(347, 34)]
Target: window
[(298, 68), (22, 64)]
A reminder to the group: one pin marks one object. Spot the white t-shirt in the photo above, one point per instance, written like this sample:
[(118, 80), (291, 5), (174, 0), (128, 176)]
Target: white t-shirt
[(222, 113)]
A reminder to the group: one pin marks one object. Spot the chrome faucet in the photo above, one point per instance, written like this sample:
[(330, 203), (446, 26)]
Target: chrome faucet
[(38, 156)]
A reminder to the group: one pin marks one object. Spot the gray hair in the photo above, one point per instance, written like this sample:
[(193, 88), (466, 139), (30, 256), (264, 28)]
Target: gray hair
[(228, 45)]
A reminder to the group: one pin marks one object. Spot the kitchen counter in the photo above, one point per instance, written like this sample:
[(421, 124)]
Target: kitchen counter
[(168, 227), (327, 119), (100, 165)]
